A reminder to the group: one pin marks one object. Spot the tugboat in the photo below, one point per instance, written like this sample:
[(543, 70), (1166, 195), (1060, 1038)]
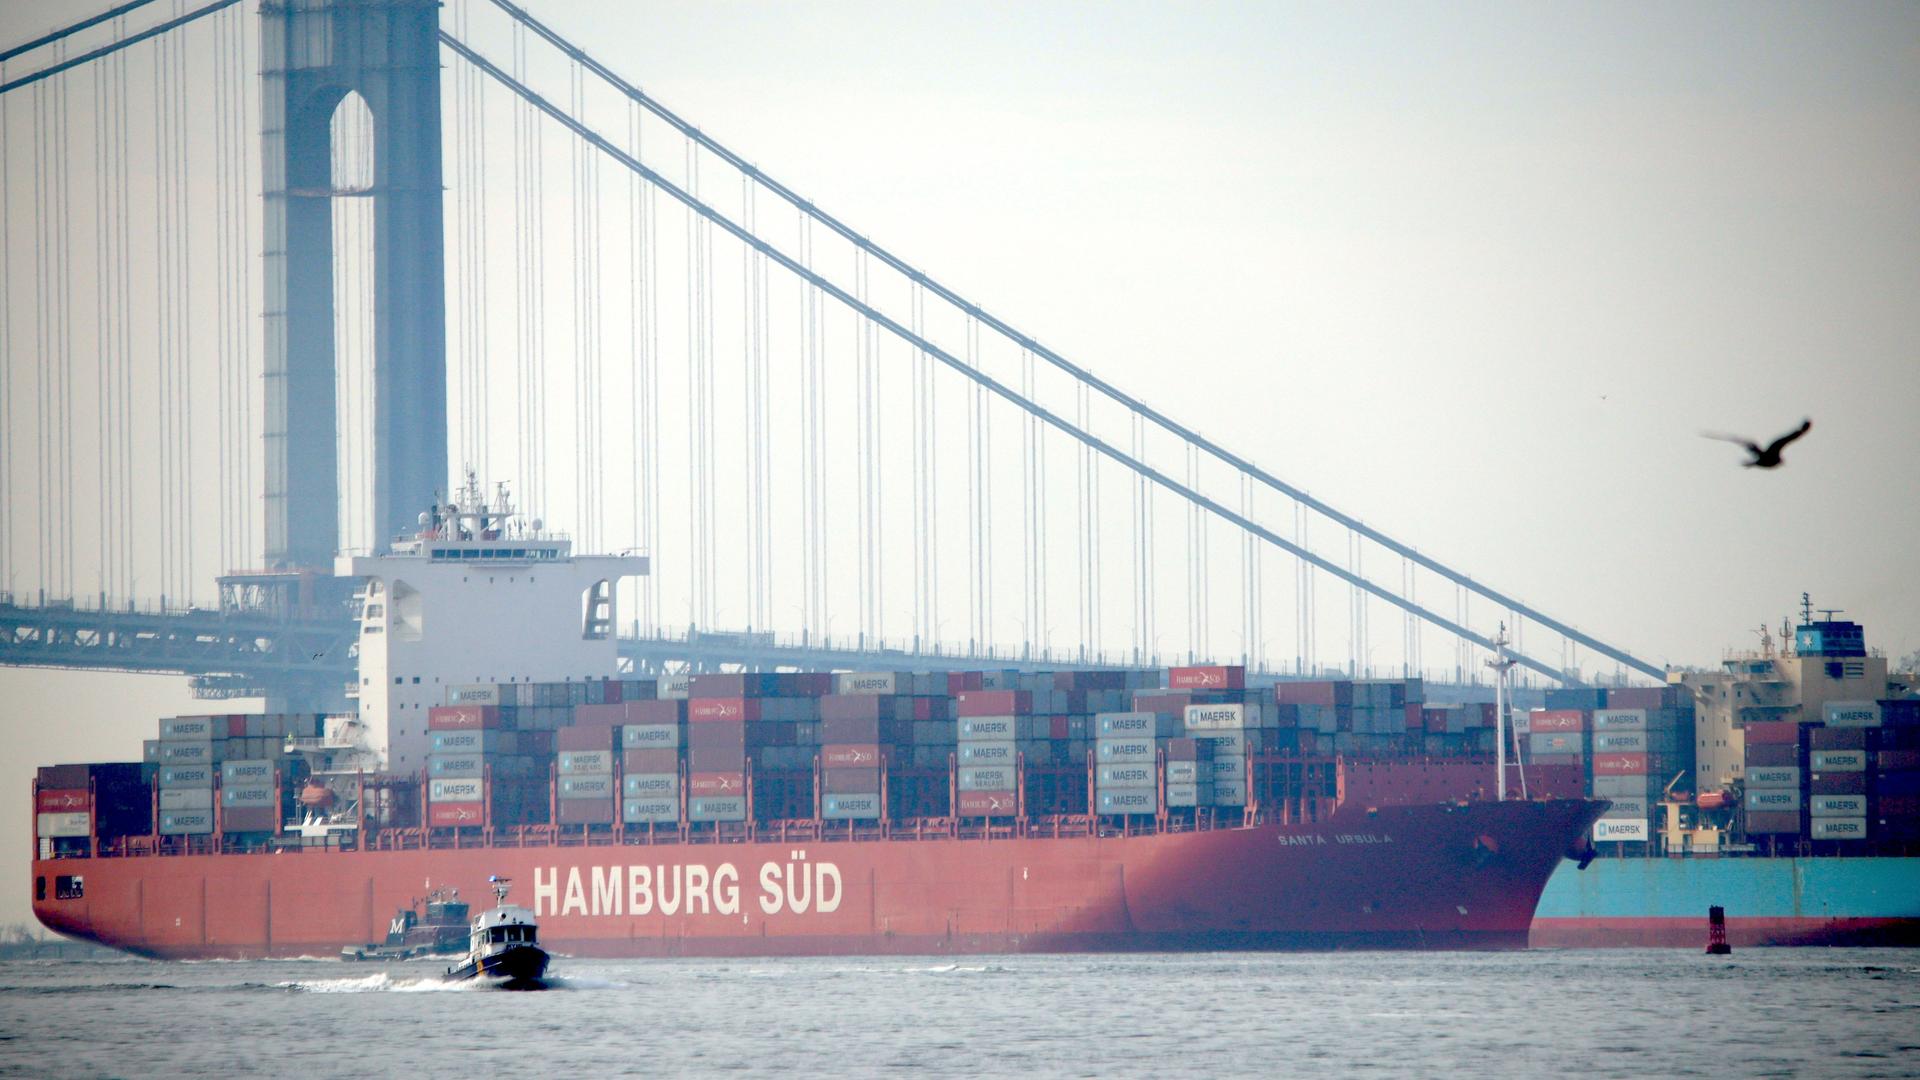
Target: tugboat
[(504, 945), (431, 927)]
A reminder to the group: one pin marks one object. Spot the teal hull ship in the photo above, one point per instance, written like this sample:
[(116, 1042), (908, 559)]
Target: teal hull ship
[(1662, 903)]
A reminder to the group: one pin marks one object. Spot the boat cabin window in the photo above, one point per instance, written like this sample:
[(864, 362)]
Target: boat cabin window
[(509, 935)]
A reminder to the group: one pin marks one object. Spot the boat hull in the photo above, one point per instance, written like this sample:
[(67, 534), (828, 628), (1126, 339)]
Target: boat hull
[(1432, 877), (1662, 903), (521, 967)]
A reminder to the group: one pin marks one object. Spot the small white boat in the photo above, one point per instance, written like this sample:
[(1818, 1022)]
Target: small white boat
[(504, 945)]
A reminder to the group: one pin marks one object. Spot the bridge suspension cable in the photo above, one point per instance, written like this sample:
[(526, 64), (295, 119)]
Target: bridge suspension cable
[(983, 381), (1166, 423)]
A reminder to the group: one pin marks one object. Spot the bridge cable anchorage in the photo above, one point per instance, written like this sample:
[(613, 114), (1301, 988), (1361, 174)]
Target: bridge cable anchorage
[(982, 381), (523, 17)]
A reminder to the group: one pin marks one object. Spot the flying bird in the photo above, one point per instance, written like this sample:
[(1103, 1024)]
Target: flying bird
[(1768, 456)]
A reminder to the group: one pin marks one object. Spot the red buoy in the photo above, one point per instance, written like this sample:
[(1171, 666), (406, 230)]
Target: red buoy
[(1717, 932)]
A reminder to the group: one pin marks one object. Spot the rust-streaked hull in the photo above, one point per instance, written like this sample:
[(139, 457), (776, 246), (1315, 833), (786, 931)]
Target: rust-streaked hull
[(1400, 877)]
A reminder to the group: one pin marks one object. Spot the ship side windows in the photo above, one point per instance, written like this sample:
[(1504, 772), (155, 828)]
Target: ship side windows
[(40, 887), (69, 887)]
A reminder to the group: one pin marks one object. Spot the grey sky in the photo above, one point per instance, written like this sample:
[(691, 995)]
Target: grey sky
[(1476, 275)]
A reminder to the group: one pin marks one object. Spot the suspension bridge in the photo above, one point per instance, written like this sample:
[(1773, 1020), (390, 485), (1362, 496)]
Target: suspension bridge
[(272, 273)]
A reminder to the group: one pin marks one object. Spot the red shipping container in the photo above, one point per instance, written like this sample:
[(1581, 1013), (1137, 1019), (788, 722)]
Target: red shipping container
[(654, 712), (1837, 783), (1769, 821), (442, 814), (1772, 755), (601, 715), (249, 819), (1638, 697), (708, 710), (1620, 765), (1207, 678), (1896, 806), (959, 682), (592, 737), (650, 761), (1826, 738), (850, 755), (1895, 760), (858, 707), (1058, 728), (1316, 692), (1773, 732), (586, 811), (716, 783), (1557, 721), (1163, 703), (60, 801), (849, 781), (236, 727), (715, 759), (717, 736), (987, 804), (462, 717), (930, 708), (993, 703)]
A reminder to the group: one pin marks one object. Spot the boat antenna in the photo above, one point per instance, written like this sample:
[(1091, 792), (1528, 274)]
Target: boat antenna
[(1501, 664), (500, 885)]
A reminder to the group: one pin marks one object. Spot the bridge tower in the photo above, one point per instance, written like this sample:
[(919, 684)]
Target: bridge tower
[(313, 54)]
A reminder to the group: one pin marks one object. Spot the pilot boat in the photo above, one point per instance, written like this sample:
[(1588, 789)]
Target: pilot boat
[(504, 946), (437, 924)]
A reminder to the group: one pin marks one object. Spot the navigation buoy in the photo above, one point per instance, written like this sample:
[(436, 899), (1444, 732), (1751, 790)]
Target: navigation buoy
[(1717, 932)]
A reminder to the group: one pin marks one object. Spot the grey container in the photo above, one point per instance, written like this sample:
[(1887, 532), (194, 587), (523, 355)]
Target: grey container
[(186, 776), (248, 797), (1124, 776), (649, 786), (172, 799), (985, 778), (186, 823), (585, 762), (456, 766), (455, 790), (649, 811), (856, 807), (1123, 751), (1126, 801), (191, 729), (649, 736), (717, 808), (588, 787), (248, 772), (987, 753)]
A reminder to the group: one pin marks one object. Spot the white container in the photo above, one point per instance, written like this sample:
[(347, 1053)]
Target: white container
[(186, 753), (186, 776), (191, 729), (60, 826), (1850, 714), (456, 766), (186, 798), (650, 736), (987, 753), (645, 787), (1838, 828), (1216, 717), (186, 823), (1185, 794), (869, 682), (717, 808), (1126, 751), (460, 790), (1108, 725), (675, 688), (587, 787), (857, 807), (1837, 761), (241, 798), (1774, 800), (1124, 776), (586, 762), (247, 772), (474, 694), (1619, 719), (985, 778), (1619, 742), (1184, 772), (1126, 801), (1620, 830), (1823, 806), (649, 811), (1773, 776)]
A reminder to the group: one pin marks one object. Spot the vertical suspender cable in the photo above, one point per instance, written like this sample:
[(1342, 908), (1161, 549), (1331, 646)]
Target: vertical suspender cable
[(6, 348)]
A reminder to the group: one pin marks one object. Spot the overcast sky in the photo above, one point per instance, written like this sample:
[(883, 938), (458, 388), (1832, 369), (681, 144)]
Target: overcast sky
[(1476, 274)]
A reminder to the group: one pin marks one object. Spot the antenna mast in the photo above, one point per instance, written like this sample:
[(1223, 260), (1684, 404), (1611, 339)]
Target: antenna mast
[(1501, 665)]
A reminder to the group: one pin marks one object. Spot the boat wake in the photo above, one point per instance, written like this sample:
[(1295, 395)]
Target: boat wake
[(386, 983)]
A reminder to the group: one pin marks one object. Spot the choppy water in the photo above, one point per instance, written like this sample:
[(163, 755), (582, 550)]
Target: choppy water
[(1761, 1012)]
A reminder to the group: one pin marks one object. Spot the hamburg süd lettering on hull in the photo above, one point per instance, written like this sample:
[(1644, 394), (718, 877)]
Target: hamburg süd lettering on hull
[(796, 886)]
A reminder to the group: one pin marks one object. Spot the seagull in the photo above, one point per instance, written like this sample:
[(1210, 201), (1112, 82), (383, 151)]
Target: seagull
[(1767, 457)]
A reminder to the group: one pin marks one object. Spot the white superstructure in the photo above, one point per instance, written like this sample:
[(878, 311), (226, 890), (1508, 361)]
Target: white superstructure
[(476, 597)]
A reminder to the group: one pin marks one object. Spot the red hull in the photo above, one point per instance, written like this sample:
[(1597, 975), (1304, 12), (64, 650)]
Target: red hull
[(1400, 877)]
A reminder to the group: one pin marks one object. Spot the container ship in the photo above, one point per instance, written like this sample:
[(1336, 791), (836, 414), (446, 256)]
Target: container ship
[(1783, 786), (781, 813)]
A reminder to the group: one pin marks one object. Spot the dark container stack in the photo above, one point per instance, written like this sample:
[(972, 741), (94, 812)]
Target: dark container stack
[(1774, 779), (226, 772), (585, 790), (483, 770), (1894, 784)]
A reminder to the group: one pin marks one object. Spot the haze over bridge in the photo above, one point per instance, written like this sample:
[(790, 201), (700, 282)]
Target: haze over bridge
[(681, 355)]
